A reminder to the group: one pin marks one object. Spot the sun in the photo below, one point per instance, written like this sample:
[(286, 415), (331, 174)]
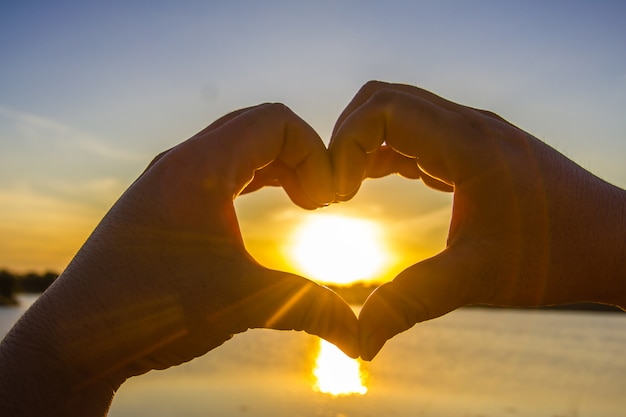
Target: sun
[(339, 249)]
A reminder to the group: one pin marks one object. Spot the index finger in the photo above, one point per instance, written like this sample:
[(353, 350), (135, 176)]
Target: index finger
[(409, 125), (264, 134), (372, 87), (447, 140)]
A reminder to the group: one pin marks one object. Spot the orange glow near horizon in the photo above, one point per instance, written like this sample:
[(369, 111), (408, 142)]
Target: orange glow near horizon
[(337, 374), (339, 249)]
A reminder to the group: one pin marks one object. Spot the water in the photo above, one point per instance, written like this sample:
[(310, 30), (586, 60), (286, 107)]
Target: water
[(472, 362)]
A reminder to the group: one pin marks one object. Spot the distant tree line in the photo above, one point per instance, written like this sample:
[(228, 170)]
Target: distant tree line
[(357, 293), (30, 282)]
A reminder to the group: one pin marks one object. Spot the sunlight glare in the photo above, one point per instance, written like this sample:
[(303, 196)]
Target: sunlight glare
[(337, 374), (339, 249)]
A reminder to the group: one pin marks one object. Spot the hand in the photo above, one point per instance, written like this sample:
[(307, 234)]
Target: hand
[(165, 276), (529, 227), (193, 285)]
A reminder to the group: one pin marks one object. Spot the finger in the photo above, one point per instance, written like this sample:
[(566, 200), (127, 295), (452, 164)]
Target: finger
[(436, 184), (291, 183), (442, 140), (351, 149), (264, 134), (289, 302), (258, 183), (279, 174), (424, 291), (305, 153), (216, 124), (385, 161), (372, 87), (382, 162)]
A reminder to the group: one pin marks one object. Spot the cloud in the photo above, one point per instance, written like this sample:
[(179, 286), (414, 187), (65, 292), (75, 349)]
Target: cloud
[(98, 193), (41, 130), (41, 231)]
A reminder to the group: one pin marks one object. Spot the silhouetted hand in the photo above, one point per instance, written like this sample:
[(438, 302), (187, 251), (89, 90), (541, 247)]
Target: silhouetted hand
[(529, 227), (165, 276)]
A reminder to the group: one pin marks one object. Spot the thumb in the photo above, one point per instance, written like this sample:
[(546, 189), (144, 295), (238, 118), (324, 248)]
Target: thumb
[(426, 290), (290, 302)]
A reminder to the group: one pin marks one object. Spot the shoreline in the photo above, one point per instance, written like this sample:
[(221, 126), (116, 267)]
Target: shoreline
[(358, 293)]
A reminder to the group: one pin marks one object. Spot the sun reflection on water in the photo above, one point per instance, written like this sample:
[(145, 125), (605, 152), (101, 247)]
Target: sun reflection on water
[(337, 374)]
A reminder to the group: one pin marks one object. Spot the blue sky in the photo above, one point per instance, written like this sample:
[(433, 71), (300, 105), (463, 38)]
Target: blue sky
[(91, 91)]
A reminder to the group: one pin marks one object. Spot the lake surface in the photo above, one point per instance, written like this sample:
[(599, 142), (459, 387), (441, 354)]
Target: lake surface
[(472, 362)]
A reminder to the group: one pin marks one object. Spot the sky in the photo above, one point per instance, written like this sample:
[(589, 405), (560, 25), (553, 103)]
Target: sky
[(90, 92)]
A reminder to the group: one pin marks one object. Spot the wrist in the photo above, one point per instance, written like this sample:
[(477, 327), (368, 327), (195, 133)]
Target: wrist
[(61, 357), (618, 297), (586, 219), (606, 243), (37, 380)]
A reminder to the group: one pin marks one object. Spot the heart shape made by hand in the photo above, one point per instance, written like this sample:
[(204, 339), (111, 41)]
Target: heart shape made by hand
[(165, 277), (178, 228)]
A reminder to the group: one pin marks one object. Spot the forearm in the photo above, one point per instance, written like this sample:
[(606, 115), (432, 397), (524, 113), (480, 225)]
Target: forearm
[(594, 238), (36, 380)]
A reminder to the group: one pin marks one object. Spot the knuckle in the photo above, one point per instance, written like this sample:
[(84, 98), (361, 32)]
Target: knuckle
[(274, 109), (389, 100), (476, 126), (156, 158), (371, 87), (258, 120)]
